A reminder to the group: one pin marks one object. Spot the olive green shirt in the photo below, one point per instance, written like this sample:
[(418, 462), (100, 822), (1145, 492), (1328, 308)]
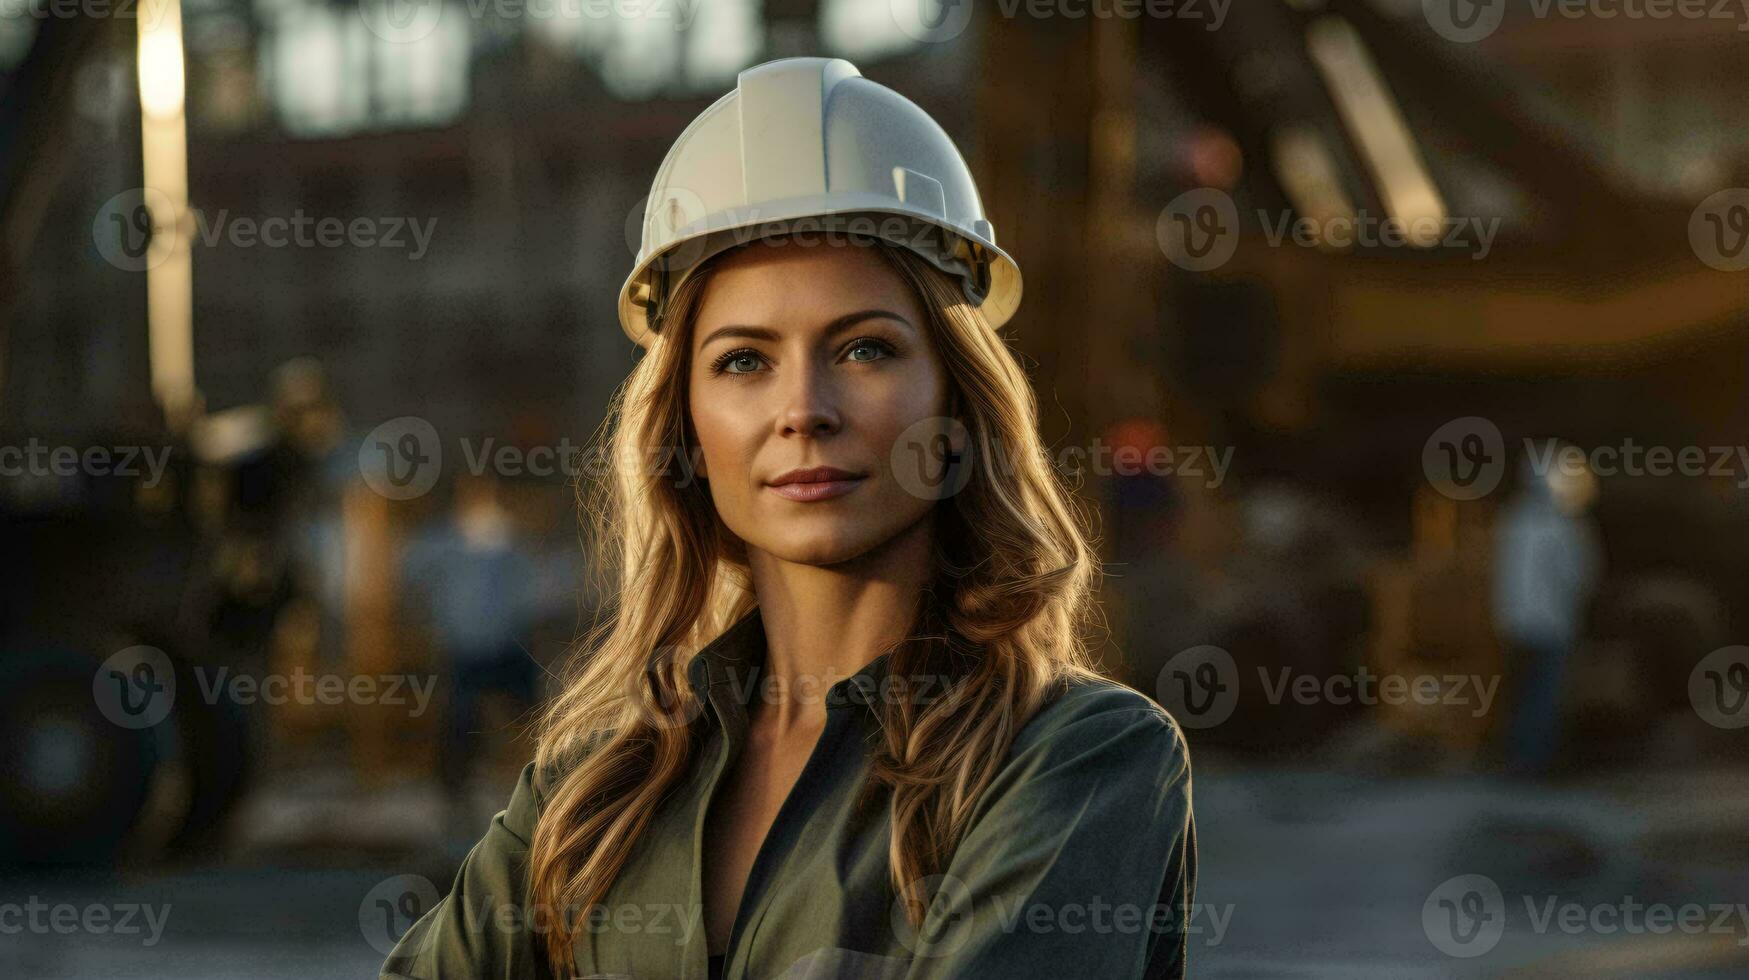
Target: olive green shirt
[(1079, 860)]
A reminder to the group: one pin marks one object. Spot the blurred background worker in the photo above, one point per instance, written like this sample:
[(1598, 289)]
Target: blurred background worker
[(476, 587), (1548, 561)]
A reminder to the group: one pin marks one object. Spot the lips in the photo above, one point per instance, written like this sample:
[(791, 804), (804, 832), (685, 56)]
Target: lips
[(817, 483), (819, 474)]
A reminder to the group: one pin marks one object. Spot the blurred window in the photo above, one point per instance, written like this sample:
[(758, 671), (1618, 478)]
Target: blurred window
[(328, 73)]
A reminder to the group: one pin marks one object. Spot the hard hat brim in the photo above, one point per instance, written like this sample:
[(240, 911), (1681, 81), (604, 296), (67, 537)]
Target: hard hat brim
[(721, 231)]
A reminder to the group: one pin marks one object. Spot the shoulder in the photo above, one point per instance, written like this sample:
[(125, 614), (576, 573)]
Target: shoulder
[(1102, 730), (1100, 750), (1091, 708)]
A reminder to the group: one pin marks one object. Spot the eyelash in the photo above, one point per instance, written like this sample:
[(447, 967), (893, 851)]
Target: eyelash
[(722, 360)]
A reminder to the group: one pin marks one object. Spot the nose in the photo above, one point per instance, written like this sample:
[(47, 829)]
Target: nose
[(810, 405)]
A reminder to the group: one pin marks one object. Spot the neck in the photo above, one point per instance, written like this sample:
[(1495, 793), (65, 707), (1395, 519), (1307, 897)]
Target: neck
[(824, 623)]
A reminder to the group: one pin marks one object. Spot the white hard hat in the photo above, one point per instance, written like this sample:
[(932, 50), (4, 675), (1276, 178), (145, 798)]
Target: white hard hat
[(807, 145)]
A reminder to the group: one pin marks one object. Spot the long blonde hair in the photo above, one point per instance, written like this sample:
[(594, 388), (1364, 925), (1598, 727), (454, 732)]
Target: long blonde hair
[(1003, 617)]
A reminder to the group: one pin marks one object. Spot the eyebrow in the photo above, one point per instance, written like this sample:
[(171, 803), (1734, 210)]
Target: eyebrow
[(837, 326)]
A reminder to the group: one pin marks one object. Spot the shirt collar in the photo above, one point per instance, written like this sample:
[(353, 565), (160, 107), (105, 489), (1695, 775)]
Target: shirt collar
[(734, 662)]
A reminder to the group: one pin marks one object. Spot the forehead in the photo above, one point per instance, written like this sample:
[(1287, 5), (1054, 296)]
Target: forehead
[(786, 284)]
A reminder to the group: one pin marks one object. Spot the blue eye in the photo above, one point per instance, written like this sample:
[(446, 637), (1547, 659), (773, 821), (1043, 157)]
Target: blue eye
[(722, 364), (880, 348)]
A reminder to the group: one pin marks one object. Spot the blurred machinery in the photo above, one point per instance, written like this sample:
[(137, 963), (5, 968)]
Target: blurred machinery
[(1556, 286)]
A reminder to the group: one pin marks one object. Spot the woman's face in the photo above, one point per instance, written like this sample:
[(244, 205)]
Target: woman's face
[(806, 357)]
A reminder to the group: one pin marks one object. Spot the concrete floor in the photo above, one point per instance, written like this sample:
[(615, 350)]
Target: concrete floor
[(1306, 874)]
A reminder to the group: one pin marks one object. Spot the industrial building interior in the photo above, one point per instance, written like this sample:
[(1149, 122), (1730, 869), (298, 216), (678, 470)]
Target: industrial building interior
[(1357, 266)]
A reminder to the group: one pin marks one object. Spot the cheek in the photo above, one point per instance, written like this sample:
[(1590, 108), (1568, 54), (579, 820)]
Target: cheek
[(919, 395), (896, 414), (723, 434)]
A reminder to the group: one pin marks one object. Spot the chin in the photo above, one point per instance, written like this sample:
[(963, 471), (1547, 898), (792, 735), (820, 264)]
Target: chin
[(819, 546)]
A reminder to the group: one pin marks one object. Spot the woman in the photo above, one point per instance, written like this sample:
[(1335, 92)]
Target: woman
[(891, 756)]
